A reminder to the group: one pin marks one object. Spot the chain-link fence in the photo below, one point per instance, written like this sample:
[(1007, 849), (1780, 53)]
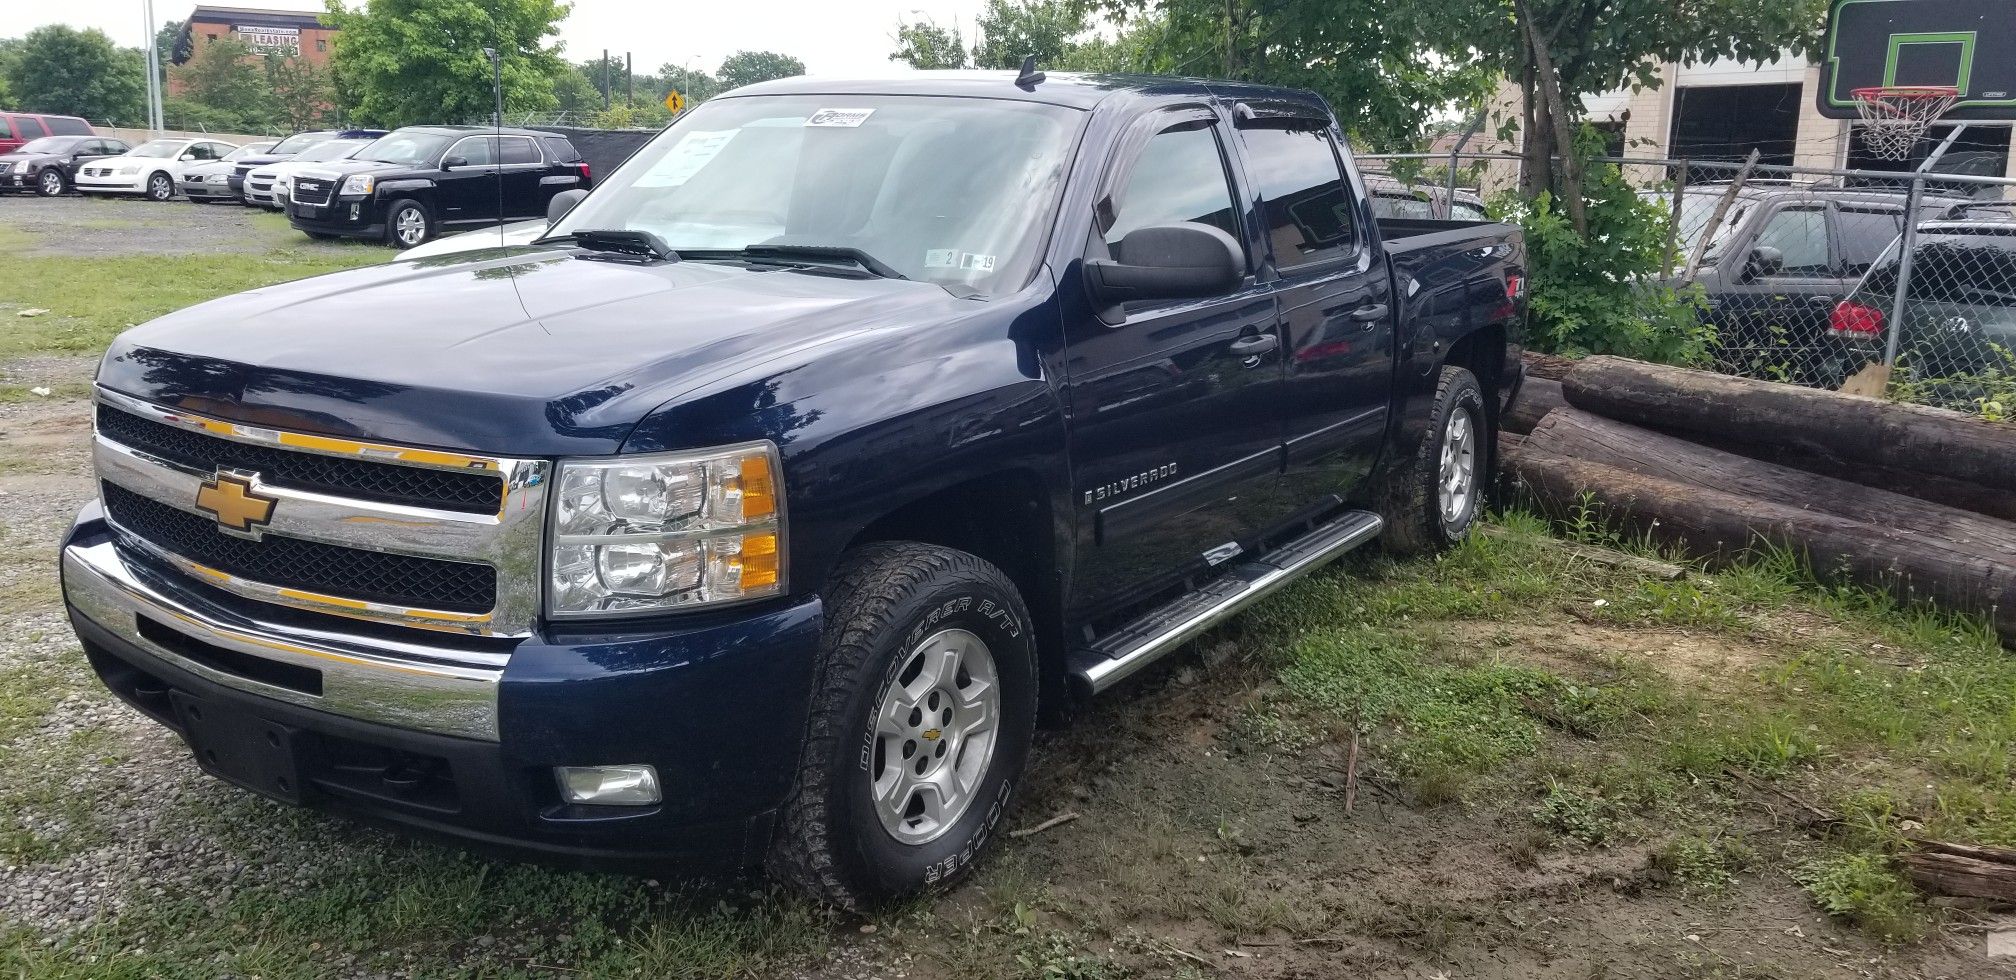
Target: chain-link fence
[(1899, 284)]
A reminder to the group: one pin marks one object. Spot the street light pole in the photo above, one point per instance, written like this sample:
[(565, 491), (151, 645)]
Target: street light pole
[(496, 84), (155, 121)]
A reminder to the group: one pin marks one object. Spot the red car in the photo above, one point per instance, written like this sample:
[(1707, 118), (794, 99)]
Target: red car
[(17, 128)]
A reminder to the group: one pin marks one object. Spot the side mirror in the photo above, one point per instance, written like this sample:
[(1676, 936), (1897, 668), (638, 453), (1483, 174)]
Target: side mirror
[(1764, 261), (1174, 261), (453, 162), (562, 203)]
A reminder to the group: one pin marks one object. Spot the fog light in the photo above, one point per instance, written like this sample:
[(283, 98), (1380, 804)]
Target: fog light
[(609, 785)]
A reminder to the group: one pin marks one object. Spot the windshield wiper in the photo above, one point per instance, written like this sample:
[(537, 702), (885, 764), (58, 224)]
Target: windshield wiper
[(623, 241), (785, 254)]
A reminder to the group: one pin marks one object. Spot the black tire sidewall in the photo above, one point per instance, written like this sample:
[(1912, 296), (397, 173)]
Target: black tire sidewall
[(1460, 391), (886, 866)]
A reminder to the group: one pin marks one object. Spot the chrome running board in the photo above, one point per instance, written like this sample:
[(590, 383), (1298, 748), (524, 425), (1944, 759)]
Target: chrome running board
[(1119, 654)]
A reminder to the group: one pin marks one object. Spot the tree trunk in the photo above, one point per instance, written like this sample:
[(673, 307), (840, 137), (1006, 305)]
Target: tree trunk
[(1537, 397), (1859, 432), (1580, 435), (1719, 524), (1556, 117)]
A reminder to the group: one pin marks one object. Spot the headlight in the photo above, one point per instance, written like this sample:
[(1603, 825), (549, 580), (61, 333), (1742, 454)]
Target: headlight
[(358, 184), (668, 531)]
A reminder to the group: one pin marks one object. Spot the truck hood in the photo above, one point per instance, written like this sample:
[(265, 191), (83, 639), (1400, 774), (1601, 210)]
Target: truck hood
[(537, 351)]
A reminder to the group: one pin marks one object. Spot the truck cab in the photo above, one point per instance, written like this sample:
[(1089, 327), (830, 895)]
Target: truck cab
[(750, 516)]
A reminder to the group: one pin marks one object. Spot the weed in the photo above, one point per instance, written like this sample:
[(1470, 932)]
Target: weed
[(1704, 866), (1578, 813), (1863, 888)]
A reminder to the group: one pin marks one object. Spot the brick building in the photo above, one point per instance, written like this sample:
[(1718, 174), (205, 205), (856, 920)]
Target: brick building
[(291, 33)]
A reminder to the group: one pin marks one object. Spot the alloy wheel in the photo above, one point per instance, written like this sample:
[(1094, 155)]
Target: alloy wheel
[(1458, 475), (935, 732), (410, 226), (52, 183)]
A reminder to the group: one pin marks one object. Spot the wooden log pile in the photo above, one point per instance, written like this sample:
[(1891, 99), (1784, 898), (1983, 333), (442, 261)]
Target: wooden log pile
[(1916, 501)]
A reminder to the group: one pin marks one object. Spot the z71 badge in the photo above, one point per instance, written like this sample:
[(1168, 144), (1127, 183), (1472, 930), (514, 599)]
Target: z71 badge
[(1135, 482)]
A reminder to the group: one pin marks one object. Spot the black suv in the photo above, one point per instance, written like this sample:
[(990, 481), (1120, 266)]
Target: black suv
[(47, 165), (412, 184), (1780, 259)]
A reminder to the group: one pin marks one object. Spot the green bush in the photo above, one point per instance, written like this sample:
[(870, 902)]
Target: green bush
[(1604, 292)]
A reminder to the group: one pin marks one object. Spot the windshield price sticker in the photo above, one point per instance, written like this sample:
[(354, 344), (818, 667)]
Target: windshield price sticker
[(693, 151), (841, 118)]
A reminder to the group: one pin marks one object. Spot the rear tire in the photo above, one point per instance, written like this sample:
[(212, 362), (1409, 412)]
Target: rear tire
[(408, 223), (913, 750), (1433, 496)]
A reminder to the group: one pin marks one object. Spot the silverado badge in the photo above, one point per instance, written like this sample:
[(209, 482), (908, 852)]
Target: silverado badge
[(238, 508)]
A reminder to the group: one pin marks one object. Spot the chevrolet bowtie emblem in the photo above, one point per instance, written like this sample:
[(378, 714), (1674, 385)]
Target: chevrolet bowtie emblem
[(237, 507)]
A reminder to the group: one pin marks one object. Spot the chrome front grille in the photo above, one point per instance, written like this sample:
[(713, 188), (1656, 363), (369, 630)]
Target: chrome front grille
[(439, 540), (312, 190)]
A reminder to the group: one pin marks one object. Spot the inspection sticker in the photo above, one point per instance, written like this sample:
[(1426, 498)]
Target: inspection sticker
[(843, 118)]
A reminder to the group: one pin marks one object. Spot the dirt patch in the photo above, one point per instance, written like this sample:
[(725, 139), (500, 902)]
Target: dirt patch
[(1699, 660)]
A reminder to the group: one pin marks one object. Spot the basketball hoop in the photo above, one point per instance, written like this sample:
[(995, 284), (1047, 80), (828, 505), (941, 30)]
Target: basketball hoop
[(1895, 117)]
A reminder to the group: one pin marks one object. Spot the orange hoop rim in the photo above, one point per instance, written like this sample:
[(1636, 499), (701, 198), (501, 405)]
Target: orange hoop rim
[(1904, 92)]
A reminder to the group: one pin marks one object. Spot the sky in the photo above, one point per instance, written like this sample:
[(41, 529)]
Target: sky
[(832, 37)]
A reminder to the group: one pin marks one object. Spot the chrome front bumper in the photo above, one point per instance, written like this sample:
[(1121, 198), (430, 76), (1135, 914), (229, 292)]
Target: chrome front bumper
[(423, 687)]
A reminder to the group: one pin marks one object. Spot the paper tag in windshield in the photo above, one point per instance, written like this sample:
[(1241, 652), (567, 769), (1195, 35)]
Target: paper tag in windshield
[(843, 118), (693, 151)]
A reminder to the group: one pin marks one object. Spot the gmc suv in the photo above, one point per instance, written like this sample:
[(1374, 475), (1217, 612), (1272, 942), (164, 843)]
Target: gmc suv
[(414, 182), (750, 515)]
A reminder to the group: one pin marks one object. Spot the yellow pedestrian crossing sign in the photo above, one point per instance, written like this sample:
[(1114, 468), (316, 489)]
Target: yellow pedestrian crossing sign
[(675, 102)]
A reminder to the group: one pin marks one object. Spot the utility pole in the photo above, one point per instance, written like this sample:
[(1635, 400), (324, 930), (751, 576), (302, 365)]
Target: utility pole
[(605, 78), (155, 120), (629, 80)]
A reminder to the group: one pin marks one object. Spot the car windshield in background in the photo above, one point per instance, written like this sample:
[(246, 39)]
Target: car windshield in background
[(300, 141), (953, 191), (247, 151), (51, 144), (1695, 210), (405, 148), (158, 148), (332, 150)]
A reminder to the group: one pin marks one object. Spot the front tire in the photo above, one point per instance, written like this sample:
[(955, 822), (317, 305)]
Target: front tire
[(408, 223), (50, 182), (160, 187), (1434, 495), (923, 712)]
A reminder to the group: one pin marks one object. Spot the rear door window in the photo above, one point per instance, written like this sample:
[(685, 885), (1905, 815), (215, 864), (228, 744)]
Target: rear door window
[(32, 128), (1865, 233), (518, 150), (67, 126), (1294, 166), (1800, 234)]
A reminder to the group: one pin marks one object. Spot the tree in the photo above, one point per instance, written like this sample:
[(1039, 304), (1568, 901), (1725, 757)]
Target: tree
[(165, 40), (749, 67), (224, 76), (399, 62), (69, 72), (697, 86), (923, 44), (1379, 62), (302, 94), (1010, 31), (574, 92), (1559, 51)]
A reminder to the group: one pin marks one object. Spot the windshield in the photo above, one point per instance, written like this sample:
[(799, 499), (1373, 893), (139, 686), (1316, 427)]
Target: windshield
[(332, 150), (405, 148), (50, 144), (246, 151), (953, 191), (158, 148), (300, 141)]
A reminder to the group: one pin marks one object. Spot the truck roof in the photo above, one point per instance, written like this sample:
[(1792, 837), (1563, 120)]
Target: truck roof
[(1073, 89)]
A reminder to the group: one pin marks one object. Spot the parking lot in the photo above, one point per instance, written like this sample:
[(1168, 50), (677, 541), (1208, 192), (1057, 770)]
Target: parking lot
[(1508, 763)]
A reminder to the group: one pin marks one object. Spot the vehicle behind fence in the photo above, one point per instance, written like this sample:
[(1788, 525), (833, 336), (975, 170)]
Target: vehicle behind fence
[(1899, 284)]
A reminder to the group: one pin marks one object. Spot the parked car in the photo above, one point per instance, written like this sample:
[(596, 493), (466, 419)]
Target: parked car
[(153, 168), (1783, 256), (271, 185), (286, 149), (47, 165), (1394, 198), (751, 516), (503, 236), (17, 128), (210, 183), (1960, 312), (413, 184)]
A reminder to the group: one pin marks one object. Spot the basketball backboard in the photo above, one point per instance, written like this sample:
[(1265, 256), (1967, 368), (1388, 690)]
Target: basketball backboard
[(1967, 44)]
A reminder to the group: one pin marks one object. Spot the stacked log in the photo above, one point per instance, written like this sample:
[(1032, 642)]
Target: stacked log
[(1701, 460)]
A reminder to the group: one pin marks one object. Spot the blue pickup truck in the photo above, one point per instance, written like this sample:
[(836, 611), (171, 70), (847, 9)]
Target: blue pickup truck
[(752, 515)]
